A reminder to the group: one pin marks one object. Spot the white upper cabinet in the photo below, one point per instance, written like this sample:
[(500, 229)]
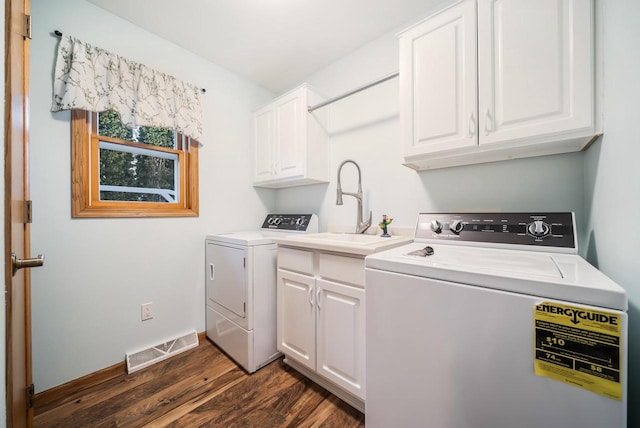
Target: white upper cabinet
[(290, 144), (438, 86), (534, 67)]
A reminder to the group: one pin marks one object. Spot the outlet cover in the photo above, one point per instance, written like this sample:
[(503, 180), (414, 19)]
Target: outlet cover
[(147, 311)]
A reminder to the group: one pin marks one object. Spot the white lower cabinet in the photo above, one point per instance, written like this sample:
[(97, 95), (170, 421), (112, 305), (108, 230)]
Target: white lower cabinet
[(340, 335), (321, 321), (297, 317)]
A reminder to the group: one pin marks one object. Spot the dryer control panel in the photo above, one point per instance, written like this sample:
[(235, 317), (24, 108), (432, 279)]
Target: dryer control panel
[(291, 222), (555, 229)]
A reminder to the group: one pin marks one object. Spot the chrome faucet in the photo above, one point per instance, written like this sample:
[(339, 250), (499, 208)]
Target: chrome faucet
[(361, 225)]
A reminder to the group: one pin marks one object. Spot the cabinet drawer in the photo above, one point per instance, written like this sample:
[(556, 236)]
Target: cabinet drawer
[(341, 269), (295, 260)]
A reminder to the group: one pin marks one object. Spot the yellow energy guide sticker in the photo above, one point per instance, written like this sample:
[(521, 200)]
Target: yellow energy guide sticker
[(579, 346)]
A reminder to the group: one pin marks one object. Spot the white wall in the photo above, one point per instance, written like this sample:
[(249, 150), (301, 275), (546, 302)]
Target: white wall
[(612, 174), (97, 273)]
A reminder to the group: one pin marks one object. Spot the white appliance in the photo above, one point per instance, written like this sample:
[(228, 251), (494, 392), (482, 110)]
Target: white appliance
[(241, 288), (492, 320)]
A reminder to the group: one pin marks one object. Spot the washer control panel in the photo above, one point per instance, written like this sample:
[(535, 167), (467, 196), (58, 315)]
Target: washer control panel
[(539, 229), (293, 222)]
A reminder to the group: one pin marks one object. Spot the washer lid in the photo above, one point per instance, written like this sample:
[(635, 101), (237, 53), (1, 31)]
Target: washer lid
[(565, 277), (521, 263)]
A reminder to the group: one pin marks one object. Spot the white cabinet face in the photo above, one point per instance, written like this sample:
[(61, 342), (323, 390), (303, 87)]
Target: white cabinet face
[(535, 68), (488, 80), (321, 322), (296, 317), (340, 330), (291, 138), (438, 82), (263, 123), (290, 144)]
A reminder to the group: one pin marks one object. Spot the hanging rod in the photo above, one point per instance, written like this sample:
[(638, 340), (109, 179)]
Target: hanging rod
[(353, 91), (59, 34)]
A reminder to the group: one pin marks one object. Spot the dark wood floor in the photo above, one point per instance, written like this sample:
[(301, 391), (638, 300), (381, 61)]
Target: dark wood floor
[(201, 387)]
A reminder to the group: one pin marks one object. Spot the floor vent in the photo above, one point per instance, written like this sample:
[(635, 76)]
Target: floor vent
[(141, 359)]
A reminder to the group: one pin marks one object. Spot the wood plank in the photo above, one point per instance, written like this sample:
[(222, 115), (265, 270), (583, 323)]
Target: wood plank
[(246, 400), (59, 396), (200, 387)]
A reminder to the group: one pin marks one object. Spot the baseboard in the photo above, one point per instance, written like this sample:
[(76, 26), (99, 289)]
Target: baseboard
[(44, 399)]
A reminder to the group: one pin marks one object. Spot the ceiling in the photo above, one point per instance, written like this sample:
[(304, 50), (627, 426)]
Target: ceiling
[(274, 43)]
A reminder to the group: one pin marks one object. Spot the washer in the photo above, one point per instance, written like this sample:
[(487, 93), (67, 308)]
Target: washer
[(241, 288), (494, 321)]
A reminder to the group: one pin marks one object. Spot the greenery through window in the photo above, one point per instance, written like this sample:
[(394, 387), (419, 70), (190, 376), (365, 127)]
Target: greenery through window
[(123, 172)]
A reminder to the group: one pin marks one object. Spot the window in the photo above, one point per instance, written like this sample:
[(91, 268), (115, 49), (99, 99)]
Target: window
[(120, 172)]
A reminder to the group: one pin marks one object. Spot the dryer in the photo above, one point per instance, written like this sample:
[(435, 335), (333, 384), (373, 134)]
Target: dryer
[(241, 288)]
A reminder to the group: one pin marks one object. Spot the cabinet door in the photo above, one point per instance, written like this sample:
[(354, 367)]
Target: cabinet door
[(340, 330), (291, 139), (438, 87), (264, 140), (535, 68), (296, 318)]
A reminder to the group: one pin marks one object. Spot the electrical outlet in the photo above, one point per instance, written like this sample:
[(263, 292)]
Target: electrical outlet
[(147, 311)]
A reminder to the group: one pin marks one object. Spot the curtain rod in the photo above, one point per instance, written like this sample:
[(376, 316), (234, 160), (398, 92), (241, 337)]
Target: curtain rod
[(354, 91), (59, 34)]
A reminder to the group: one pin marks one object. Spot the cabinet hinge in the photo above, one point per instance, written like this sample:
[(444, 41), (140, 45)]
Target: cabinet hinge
[(31, 396), (27, 212), (26, 32)]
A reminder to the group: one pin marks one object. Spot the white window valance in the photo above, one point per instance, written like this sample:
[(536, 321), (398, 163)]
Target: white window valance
[(90, 78)]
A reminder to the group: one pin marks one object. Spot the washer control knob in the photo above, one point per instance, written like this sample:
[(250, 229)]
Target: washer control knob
[(456, 226), (539, 228), (277, 220), (300, 221), (436, 226)]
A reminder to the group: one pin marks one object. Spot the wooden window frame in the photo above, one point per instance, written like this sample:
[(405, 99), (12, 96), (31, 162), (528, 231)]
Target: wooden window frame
[(85, 196)]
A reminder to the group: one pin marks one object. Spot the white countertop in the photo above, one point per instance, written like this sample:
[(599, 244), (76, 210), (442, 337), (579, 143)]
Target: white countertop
[(349, 243)]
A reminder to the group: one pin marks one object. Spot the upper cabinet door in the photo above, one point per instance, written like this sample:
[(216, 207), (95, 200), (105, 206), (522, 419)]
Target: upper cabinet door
[(291, 141), (264, 135), (438, 86), (290, 144), (535, 67)]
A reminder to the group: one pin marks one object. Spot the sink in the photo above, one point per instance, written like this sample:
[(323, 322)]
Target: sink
[(351, 243)]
